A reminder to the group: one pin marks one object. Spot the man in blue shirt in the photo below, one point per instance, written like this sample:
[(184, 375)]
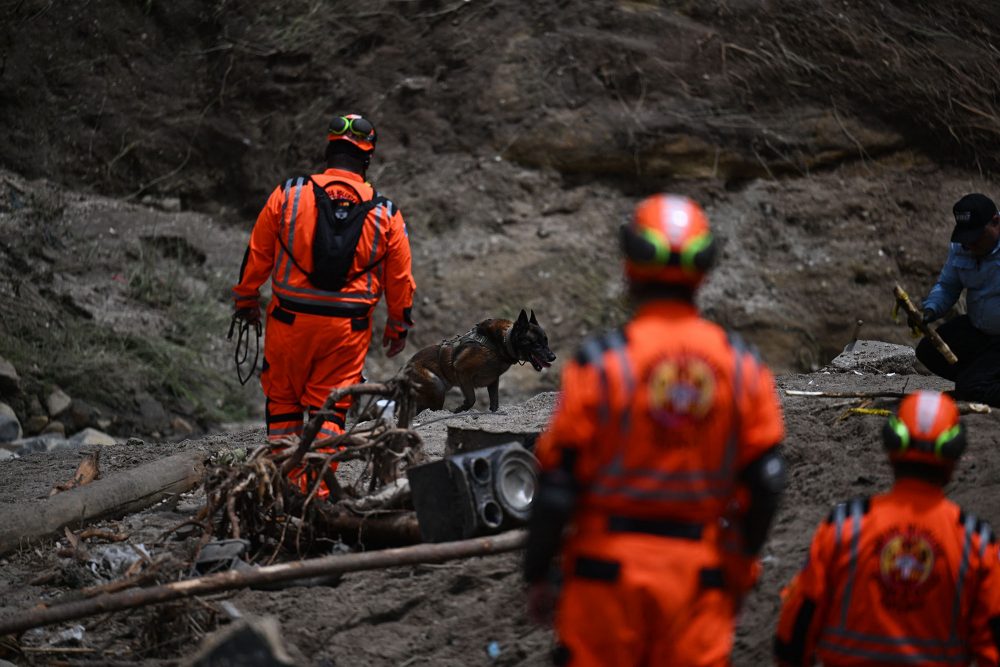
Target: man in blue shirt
[(973, 264)]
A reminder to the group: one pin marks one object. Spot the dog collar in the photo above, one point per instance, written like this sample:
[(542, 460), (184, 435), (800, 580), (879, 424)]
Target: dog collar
[(507, 347)]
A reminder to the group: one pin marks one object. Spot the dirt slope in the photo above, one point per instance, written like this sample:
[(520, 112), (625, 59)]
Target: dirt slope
[(515, 142)]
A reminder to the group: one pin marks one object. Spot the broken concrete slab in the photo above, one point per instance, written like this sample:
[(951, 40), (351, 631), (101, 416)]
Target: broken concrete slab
[(873, 356)]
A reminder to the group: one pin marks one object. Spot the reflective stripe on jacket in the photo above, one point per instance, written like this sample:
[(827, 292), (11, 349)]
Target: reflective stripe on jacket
[(662, 415), (291, 212)]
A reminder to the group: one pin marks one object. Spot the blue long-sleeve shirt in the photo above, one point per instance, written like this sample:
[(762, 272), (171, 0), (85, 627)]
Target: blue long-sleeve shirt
[(981, 277)]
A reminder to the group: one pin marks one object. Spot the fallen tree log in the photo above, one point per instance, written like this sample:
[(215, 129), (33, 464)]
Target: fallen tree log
[(116, 495), (964, 407), (846, 394), (391, 529), (235, 579)]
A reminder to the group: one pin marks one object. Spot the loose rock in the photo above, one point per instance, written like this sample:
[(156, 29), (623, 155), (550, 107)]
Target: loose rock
[(10, 427)]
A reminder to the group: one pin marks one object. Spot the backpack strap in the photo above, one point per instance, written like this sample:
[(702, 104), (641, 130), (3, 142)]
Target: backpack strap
[(360, 209)]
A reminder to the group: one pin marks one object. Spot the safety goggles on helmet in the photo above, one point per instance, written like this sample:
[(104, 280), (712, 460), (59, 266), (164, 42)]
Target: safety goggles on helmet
[(353, 128), (668, 241), (925, 429)]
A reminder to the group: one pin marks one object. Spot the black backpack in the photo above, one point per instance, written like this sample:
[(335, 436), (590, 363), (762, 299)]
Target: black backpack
[(338, 229)]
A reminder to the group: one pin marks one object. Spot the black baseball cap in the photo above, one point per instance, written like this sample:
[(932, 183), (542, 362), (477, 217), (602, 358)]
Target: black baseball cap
[(972, 213)]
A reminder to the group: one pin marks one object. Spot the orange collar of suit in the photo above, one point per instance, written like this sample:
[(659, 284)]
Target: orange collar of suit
[(911, 486), (344, 175), (352, 180)]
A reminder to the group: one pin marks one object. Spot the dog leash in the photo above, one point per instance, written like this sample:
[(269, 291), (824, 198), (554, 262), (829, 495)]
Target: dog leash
[(242, 351)]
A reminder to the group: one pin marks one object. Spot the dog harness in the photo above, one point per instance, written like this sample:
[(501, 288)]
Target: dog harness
[(475, 337)]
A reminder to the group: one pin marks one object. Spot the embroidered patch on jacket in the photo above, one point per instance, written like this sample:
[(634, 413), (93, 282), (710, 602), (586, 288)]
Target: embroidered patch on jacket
[(906, 566), (681, 390)]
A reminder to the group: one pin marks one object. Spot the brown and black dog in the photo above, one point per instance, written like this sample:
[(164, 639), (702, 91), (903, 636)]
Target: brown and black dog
[(477, 359)]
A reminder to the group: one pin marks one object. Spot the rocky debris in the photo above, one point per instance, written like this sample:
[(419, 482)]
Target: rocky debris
[(152, 413), (54, 428), (92, 437), (46, 442), (52, 441), (251, 642), (35, 424), (874, 356), (57, 402), (10, 427), (10, 383), (48, 428)]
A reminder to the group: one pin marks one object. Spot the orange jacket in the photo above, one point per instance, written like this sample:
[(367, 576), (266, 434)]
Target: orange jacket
[(291, 213), (661, 417), (902, 578)]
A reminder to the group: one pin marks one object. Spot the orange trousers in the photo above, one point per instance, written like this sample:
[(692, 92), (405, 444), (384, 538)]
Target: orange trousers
[(305, 357), (658, 606)]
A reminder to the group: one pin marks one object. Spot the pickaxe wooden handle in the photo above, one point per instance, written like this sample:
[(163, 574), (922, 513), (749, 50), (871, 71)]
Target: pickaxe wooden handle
[(916, 318)]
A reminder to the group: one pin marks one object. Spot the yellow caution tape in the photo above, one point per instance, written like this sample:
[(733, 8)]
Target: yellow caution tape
[(882, 412)]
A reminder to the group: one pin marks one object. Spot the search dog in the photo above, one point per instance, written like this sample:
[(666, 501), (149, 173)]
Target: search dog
[(477, 359)]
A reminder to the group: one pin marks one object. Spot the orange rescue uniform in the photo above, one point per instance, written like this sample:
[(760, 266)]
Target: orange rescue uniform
[(659, 420), (901, 578), (316, 340)]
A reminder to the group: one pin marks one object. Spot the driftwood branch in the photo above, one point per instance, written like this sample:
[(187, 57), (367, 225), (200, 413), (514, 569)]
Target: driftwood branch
[(963, 407), (116, 495), (311, 429), (88, 470), (25, 619)]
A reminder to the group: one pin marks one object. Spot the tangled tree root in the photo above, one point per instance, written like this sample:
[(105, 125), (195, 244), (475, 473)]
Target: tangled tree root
[(252, 498)]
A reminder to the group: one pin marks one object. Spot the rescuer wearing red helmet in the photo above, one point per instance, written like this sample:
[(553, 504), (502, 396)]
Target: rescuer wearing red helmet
[(331, 245), (904, 577), (662, 456)]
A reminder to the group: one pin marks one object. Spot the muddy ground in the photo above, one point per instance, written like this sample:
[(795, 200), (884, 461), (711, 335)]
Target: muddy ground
[(449, 614)]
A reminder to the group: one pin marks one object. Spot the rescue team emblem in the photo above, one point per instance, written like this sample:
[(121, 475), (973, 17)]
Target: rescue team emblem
[(906, 567), (681, 390)]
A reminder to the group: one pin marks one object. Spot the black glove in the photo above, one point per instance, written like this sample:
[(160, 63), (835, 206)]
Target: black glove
[(250, 315), (928, 316)]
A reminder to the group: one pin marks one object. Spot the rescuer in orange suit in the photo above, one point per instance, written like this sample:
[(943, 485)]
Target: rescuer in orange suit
[(663, 460), (331, 246), (905, 577)]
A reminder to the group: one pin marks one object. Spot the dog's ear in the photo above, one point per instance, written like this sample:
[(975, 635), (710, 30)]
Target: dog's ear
[(533, 320), (522, 319)]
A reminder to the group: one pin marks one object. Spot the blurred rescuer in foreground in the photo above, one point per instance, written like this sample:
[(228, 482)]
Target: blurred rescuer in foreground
[(662, 459), (330, 244), (905, 577)]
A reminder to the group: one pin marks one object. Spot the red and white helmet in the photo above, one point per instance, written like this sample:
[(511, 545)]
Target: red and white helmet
[(668, 241), (352, 127), (925, 429)]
